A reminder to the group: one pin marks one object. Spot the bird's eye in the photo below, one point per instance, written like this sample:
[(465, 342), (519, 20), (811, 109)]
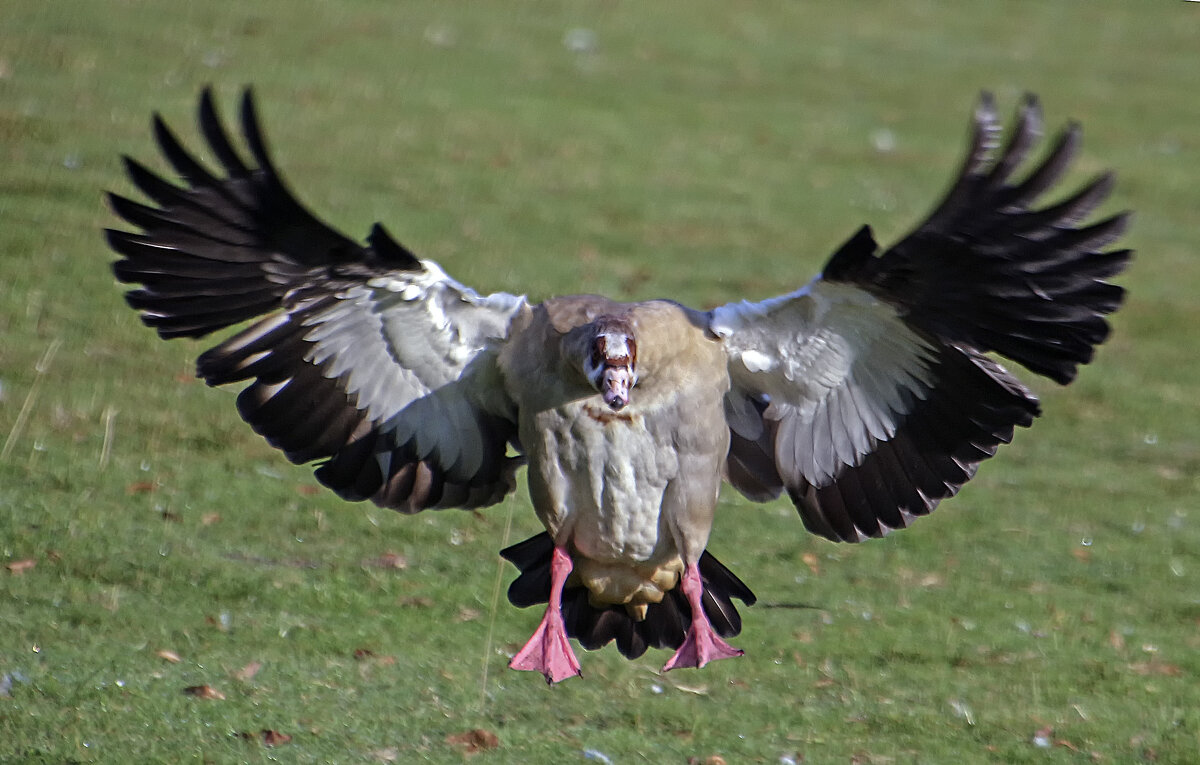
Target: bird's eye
[(598, 352)]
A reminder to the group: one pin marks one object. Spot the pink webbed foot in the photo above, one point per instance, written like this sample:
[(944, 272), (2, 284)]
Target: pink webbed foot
[(702, 643), (701, 646), (549, 650)]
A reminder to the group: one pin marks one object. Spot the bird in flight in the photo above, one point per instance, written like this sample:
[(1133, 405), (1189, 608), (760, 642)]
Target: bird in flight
[(867, 396)]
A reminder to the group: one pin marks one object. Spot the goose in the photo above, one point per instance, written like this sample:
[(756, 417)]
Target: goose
[(867, 395)]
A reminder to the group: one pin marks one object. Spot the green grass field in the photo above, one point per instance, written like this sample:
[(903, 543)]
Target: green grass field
[(707, 151)]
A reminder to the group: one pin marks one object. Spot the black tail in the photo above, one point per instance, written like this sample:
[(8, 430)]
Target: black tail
[(666, 623)]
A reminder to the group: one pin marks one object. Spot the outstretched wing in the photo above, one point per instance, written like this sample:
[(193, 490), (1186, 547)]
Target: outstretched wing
[(867, 394), (368, 359)]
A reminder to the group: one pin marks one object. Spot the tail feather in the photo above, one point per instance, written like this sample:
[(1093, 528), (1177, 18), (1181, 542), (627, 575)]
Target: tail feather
[(666, 622)]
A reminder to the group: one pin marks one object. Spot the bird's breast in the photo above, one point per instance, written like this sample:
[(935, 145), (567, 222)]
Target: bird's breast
[(606, 482), (607, 472)]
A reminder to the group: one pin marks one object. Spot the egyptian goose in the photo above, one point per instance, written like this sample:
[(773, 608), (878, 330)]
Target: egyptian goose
[(867, 395)]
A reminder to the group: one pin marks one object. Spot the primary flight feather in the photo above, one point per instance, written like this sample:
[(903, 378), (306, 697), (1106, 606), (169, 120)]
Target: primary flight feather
[(868, 395)]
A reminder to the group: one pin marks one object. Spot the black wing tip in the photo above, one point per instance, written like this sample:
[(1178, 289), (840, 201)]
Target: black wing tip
[(248, 109), (1068, 141), (206, 107), (1120, 258), (248, 106), (168, 143), (133, 166), (253, 133), (208, 97), (1070, 138), (985, 108), (391, 251), (1028, 124), (1029, 112), (115, 203), (158, 124), (1123, 219), (217, 136), (851, 257), (1111, 228), (118, 241), (1102, 185)]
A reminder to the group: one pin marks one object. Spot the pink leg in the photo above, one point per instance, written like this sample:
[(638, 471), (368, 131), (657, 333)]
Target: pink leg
[(702, 644), (548, 651)]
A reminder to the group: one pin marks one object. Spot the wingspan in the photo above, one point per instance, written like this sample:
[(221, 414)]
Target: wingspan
[(867, 395), (368, 358)]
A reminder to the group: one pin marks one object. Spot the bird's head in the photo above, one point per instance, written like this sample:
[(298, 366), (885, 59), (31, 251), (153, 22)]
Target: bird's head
[(611, 363)]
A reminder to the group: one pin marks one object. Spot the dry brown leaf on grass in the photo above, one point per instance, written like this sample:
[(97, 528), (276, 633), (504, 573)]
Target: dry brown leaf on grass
[(204, 692), (209, 519), (19, 567), (1161, 668), (249, 671), (366, 654), (274, 737), (168, 655), (932, 580), (695, 690), (388, 560), (140, 487), (267, 736), (813, 563), (220, 622), (474, 740)]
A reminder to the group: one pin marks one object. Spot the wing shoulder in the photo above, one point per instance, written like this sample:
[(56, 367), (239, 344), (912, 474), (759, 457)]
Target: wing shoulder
[(868, 396), (362, 356)]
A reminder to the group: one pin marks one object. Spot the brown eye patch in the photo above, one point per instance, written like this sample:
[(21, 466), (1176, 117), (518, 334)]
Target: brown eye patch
[(614, 344)]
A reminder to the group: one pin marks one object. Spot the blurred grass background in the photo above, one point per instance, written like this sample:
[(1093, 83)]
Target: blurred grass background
[(706, 151)]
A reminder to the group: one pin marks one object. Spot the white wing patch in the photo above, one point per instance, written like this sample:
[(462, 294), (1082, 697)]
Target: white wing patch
[(756, 361), (839, 367), (401, 336)]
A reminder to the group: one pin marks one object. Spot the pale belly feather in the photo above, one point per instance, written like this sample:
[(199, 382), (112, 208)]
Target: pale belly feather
[(605, 479), (609, 474), (629, 493)]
